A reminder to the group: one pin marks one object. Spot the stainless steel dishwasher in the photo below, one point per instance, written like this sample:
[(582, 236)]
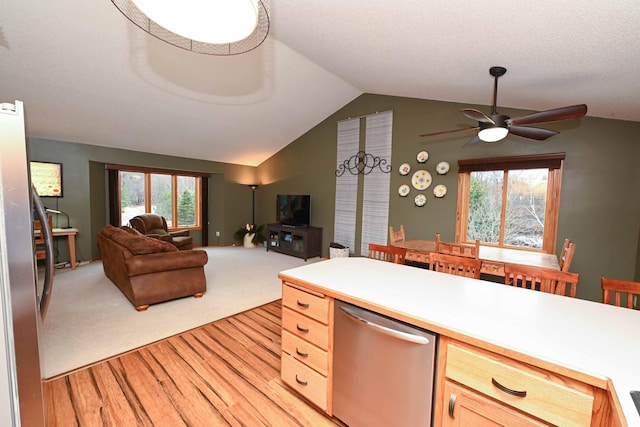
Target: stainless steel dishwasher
[(383, 370)]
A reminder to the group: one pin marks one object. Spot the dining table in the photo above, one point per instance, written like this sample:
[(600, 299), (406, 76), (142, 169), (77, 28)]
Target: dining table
[(493, 258)]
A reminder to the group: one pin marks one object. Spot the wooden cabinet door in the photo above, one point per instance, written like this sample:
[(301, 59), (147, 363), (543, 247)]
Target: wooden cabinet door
[(463, 407)]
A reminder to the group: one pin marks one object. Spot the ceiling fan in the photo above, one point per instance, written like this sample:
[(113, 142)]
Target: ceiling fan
[(494, 127)]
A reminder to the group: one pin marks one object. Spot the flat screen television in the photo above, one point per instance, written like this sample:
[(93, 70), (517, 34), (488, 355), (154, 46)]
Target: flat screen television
[(46, 177), (294, 209)]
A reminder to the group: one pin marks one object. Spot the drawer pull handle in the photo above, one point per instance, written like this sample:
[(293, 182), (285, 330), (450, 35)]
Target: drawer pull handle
[(507, 390), (299, 353), (302, 304), (301, 329), (299, 381), (452, 404)]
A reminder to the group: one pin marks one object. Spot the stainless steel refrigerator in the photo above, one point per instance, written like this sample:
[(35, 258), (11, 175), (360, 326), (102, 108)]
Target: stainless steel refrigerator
[(23, 303)]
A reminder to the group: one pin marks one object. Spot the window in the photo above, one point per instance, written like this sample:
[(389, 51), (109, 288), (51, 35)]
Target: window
[(175, 197), (510, 201)]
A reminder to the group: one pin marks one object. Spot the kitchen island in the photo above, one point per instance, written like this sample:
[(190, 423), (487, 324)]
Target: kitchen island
[(585, 352)]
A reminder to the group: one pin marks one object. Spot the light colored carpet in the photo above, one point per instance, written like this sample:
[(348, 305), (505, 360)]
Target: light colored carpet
[(89, 319)]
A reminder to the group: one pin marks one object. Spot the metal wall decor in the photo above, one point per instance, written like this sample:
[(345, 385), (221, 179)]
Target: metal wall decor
[(363, 163)]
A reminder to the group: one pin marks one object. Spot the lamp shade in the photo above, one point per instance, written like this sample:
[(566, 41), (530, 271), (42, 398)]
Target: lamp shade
[(493, 134)]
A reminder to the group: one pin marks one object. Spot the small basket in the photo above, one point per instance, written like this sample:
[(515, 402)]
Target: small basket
[(338, 253)]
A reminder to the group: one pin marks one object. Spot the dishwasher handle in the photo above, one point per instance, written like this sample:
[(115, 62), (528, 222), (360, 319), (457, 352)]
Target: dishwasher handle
[(405, 336)]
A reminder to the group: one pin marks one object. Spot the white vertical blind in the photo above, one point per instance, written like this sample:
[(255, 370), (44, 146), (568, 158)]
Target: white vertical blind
[(346, 185), (375, 203)]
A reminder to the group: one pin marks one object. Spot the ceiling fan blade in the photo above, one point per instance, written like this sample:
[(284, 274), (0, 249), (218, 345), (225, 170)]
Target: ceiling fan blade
[(475, 140), (532, 133), (557, 114), (476, 115), (449, 131)]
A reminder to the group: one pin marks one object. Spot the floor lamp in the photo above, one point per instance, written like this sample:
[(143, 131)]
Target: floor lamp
[(253, 210)]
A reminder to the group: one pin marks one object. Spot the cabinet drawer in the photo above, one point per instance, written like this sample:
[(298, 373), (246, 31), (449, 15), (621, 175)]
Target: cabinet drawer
[(305, 381), (305, 328), (464, 407), (547, 397), (310, 305), (305, 352)]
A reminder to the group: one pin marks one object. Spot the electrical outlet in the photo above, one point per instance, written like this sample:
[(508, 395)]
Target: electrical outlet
[(217, 234)]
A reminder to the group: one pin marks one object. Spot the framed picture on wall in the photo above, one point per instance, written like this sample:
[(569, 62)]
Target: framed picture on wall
[(46, 177)]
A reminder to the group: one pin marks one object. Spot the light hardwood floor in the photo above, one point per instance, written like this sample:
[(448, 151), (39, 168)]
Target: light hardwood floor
[(223, 373)]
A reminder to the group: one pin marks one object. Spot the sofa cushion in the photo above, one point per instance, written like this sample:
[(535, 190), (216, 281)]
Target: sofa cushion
[(108, 230), (131, 230), (161, 245), (140, 245)]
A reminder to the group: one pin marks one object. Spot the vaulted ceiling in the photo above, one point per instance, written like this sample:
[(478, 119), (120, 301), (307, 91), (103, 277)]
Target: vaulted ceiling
[(87, 74)]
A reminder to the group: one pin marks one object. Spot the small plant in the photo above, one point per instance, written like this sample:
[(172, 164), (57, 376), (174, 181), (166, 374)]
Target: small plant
[(258, 237)]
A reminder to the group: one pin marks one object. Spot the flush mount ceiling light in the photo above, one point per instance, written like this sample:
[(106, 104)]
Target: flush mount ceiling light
[(212, 27)]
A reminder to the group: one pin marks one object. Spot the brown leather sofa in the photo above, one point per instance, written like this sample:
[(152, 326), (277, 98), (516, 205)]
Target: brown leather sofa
[(149, 270), (153, 225)]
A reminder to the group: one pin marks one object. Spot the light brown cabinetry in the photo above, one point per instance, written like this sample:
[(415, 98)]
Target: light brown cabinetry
[(483, 388), (468, 408), (307, 343)]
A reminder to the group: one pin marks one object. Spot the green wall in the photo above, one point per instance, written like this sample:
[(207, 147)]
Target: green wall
[(600, 208), (85, 190), (600, 201)]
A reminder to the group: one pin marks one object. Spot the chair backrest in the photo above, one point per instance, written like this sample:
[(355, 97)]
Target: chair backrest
[(38, 237), (566, 255), (149, 223), (541, 279), (396, 236), (458, 249), (454, 264), (620, 288), (387, 253)]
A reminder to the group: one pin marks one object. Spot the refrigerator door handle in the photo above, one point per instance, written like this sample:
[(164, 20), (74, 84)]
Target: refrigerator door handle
[(49, 265), (416, 339)]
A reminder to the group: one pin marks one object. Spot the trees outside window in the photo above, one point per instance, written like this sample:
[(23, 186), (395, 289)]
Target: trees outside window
[(175, 197), (510, 202)]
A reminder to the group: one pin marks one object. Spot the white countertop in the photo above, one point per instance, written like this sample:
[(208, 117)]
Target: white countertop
[(597, 339)]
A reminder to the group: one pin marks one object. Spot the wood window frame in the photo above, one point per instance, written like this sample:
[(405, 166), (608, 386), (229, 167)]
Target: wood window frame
[(202, 188), (551, 161)]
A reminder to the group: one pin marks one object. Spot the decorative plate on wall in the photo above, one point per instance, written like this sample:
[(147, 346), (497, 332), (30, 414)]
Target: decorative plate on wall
[(420, 200), (440, 190), (421, 180), (404, 190), (422, 157), (404, 169), (442, 168)]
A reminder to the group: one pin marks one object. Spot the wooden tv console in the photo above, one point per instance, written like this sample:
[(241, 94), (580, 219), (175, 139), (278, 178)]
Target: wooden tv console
[(299, 241)]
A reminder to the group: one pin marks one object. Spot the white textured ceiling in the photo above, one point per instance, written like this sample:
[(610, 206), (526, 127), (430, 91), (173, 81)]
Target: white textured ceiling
[(87, 74)]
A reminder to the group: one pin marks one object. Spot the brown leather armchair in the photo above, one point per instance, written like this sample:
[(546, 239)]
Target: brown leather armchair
[(153, 225)]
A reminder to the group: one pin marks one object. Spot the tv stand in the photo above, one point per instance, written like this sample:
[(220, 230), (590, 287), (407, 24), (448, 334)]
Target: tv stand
[(299, 241)]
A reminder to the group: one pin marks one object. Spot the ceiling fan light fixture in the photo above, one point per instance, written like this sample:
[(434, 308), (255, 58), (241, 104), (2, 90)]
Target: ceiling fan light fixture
[(493, 134), (214, 27)]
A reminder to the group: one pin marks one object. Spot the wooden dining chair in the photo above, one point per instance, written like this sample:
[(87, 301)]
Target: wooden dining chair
[(566, 255), (387, 253), (541, 279), (621, 289), (454, 264), (458, 249), (396, 236), (38, 235)]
